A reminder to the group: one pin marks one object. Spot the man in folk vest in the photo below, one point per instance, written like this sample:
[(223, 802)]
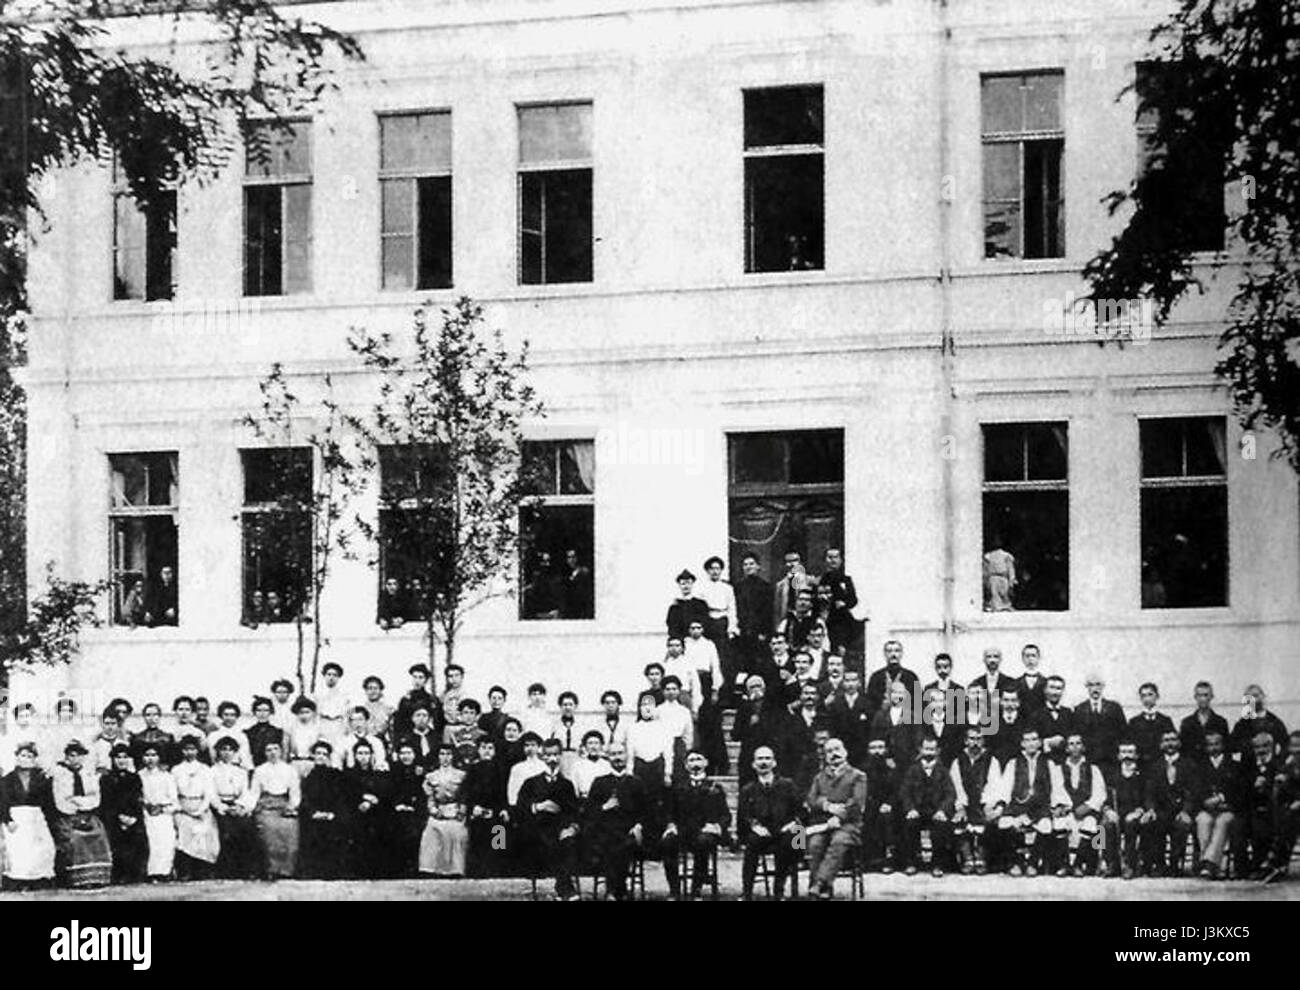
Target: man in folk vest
[(976, 777), (1030, 789), (1080, 823)]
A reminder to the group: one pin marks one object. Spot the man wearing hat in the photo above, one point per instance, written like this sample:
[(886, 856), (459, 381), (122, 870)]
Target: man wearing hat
[(686, 608)]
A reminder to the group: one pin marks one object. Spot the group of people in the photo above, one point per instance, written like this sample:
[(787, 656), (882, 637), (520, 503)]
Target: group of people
[(835, 767)]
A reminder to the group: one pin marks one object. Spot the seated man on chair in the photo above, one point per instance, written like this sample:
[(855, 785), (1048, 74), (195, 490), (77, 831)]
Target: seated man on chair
[(614, 821), (547, 816), (929, 802), (1218, 803), (1079, 821), (768, 820), (976, 777), (836, 801), (1171, 795), (698, 819), (1030, 788)]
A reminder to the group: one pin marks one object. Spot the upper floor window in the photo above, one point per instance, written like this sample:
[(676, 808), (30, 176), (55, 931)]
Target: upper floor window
[(784, 166), (1026, 509), (142, 532), (555, 177), (144, 244), (1184, 512), (277, 209), (1194, 210), (415, 189), (1024, 145)]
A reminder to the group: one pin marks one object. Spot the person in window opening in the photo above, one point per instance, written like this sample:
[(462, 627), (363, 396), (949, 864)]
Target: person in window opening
[(999, 578), (133, 603), (256, 611), (800, 259), (579, 590), (542, 592), (275, 610), (393, 605), (160, 607)]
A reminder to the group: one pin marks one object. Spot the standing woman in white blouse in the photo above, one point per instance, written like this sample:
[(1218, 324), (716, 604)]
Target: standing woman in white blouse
[(274, 796), (158, 787), (650, 745)]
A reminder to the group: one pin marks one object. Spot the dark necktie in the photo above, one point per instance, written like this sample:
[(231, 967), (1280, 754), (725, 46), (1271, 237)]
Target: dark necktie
[(78, 787)]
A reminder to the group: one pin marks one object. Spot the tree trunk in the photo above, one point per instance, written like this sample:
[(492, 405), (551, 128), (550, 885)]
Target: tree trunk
[(302, 684)]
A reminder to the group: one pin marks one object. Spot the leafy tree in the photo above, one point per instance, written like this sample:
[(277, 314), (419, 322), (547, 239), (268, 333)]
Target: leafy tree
[(68, 94), (51, 633), (1224, 103), (448, 429), (307, 522)]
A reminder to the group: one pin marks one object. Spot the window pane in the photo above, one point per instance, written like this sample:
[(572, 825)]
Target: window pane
[(410, 471), (140, 480), (783, 116), (557, 547), (416, 142), (144, 571), (568, 227), (1043, 101), (555, 133), (1004, 452), (1048, 451), (1002, 171), (784, 207), (398, 205), (160, 252), (279, 149), (435, 233), (413, 551), (277, 474), (1206, 454), (1000, 104), (297, 238), (1026, 551), (538, 468), (532, 193), (577, 467), (816, 458), (1185, 547), (757, 458), (277, 564), (262, 241), (1043, 214), (128, 256), (399, 262), (1162, 447)]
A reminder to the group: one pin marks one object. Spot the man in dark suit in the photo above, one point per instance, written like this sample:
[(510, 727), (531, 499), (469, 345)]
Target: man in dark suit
[(893, 672), (1004, 744), (897, 725), (1032, 684), (841, 626), (943, 676), (1218, 803), (613, 821), (1101, 722), (698, 822), (1257, 718), (993, 680), (686, 608), (762, 721), (547, 816), (1126, 813), (850, 718), (788, 587), (1204, 720), (753, 615), (418, 697), (160, 604), (934, 724), (1172, 789), (1148, 727), (883, 815), (929, 802), (768, 820), (1260, 773), (1052, 719)]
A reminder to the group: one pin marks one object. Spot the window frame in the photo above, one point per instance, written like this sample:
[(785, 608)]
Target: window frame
[(149, 511), (265, 509), (536, 503), (1020, 138), (121, 193), (778, 151), (413, 175), (548, 166), (284, 182)]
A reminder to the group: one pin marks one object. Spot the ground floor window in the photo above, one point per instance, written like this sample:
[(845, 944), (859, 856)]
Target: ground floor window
[(143, 507), (557, 529), (277, 539)]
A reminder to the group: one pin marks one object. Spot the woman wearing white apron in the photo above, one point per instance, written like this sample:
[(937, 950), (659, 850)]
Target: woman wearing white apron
[(160, 802), (25, 796)]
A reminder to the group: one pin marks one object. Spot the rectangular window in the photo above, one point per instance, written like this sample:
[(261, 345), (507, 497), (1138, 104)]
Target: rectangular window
[(1024, 145), (784, 166), (1026, 559), (277, 210), (414, 482), (785, 494), (1184, 512), (555, 179), (144, 244), (1196, 217), (415, 193), (557, 527), (143, 507), (276, 522)]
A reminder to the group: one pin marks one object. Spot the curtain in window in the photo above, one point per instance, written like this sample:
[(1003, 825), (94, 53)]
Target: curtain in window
[(583, 456), (1218, 442)]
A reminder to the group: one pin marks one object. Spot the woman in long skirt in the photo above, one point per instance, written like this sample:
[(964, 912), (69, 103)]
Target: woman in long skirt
[(238, 857), (371, 816), (198, 843), (484, 795), (323, 818), (446, 840), (160, 802), (121, 807), (26, 797), (274, 797), (79, 835), (410, 809)]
